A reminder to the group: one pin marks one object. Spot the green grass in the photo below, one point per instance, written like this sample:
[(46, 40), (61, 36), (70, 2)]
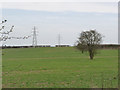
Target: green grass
[(59, 68)]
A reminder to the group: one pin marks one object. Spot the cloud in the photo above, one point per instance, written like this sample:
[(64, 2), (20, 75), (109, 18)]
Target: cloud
[(101, 7)]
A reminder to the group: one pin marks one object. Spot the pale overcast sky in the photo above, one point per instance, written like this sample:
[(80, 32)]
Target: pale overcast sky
[(65, 18)]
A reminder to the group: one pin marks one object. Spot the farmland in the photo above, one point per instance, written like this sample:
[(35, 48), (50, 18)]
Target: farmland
[(59, 67)]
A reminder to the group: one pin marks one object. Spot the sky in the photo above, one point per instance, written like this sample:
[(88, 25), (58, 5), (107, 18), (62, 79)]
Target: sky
[(68, 19)]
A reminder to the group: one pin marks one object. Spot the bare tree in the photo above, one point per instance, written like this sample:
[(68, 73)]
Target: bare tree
[(89, 41), (4, 34), (81, 47)]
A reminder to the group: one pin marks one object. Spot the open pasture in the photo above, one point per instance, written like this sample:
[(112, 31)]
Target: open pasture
[(59, 67)]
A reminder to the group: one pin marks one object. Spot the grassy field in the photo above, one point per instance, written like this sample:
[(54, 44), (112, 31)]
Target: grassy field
[(59, 68)]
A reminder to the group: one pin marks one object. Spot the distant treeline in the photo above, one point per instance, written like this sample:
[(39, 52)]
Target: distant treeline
[(35, 46), (109, 46), (103, 46)]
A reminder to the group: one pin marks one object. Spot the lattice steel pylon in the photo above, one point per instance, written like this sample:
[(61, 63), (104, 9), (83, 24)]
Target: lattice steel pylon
[(34, 37), (59, 40)]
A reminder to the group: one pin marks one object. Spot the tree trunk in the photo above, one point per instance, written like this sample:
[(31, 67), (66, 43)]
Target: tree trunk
[(82, 51), (91, 54)]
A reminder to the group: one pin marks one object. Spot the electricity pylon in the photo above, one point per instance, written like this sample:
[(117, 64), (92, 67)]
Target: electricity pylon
[(34, 37), (59, 38)]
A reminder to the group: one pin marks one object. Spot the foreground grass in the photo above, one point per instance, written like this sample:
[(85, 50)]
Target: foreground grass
[(59, 68)]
